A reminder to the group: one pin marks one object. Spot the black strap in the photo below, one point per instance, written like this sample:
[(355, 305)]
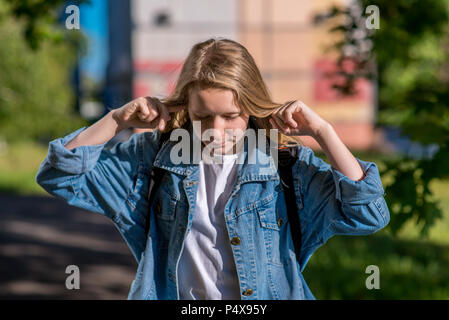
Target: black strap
[(287, 158), (156, 175)]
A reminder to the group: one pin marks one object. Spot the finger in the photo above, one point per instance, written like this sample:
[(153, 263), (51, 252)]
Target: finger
[(284, 130), (279, 121), (129, 111), (279, 115), (152, 106), (164, 115), (162, 111), (275, 124), (288, 104), (281, 129), (283, 108), (143, 111), (288, 115)]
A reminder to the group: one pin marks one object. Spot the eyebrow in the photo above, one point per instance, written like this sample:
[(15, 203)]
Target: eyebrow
[(200, 113)]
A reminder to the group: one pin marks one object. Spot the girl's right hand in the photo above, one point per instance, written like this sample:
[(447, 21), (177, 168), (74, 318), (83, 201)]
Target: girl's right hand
[(144, 112)]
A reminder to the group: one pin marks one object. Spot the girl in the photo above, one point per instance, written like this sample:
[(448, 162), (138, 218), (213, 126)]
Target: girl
[(217, 230)]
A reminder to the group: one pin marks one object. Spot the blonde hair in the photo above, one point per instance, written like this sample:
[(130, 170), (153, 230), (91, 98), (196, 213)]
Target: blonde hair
[(225, 64)]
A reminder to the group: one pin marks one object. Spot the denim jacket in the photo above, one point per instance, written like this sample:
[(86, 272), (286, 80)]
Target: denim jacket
[(114, 182)]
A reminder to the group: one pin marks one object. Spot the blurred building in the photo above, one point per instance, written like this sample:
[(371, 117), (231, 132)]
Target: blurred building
[(280, 35)]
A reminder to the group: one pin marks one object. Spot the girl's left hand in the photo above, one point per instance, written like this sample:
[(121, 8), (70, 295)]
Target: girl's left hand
[(295, 118)]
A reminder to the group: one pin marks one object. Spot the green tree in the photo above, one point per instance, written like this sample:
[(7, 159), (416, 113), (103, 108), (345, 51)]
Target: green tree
[(40, 19), (36, 99), (408, 57)]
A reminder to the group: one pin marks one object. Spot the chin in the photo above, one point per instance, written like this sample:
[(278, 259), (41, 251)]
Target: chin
[(228, 148)]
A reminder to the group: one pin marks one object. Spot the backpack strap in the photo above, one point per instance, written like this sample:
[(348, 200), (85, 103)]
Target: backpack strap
[(156, 175), (287, 157)]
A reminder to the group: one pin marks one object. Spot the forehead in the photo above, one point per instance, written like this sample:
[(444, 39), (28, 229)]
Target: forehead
[(213, 99)]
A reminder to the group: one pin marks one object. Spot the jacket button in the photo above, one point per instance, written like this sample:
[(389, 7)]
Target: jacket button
[(247, 292), (235, 240), (158, 207), (280, 221)]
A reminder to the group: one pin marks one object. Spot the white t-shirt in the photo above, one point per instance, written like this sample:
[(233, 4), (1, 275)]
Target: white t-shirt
[(206, 270)]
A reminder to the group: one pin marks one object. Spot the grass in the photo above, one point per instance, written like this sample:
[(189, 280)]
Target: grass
[(18, 167), (410, 267)]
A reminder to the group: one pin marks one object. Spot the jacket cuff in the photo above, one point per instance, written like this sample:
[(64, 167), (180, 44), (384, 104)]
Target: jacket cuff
[(362, 191), (75, 161)]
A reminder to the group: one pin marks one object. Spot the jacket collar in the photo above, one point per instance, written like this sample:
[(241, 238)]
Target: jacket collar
[(254, 162)]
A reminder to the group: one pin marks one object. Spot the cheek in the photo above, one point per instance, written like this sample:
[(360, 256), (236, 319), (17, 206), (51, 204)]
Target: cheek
[(236, 129)]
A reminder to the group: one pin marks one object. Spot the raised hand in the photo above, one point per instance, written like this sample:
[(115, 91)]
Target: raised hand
[(144, 112), (295, 118)]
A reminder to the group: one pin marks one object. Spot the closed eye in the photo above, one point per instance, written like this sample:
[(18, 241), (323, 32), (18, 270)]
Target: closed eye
[(231, 118), (228, 118)]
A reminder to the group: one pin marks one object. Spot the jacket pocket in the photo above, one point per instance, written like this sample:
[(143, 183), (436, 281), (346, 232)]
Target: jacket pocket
[(139, 187), (137, 196), (273, 226)]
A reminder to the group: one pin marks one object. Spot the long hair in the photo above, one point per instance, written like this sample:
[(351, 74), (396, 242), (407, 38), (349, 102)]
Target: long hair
[(225, 64)]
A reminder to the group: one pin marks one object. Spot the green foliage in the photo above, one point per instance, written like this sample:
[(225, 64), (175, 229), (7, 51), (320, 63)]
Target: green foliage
[(409, 58), (409, 268), (19, 163), (36, 100), (40, 18)]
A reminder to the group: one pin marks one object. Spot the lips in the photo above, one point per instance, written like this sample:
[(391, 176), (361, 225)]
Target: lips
[(216, 145)]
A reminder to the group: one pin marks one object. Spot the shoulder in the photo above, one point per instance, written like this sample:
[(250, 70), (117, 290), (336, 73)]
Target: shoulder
[(310, 167), (307, 160), (148, 144)]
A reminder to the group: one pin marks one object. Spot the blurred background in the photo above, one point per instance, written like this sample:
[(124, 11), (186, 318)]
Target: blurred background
[(378, 71)]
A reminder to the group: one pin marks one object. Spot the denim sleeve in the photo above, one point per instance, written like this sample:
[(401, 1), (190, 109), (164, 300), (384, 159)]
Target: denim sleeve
[(99, 179), (334, 204)]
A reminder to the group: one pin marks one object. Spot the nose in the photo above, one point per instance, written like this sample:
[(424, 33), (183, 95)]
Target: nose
[(218, 127)]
